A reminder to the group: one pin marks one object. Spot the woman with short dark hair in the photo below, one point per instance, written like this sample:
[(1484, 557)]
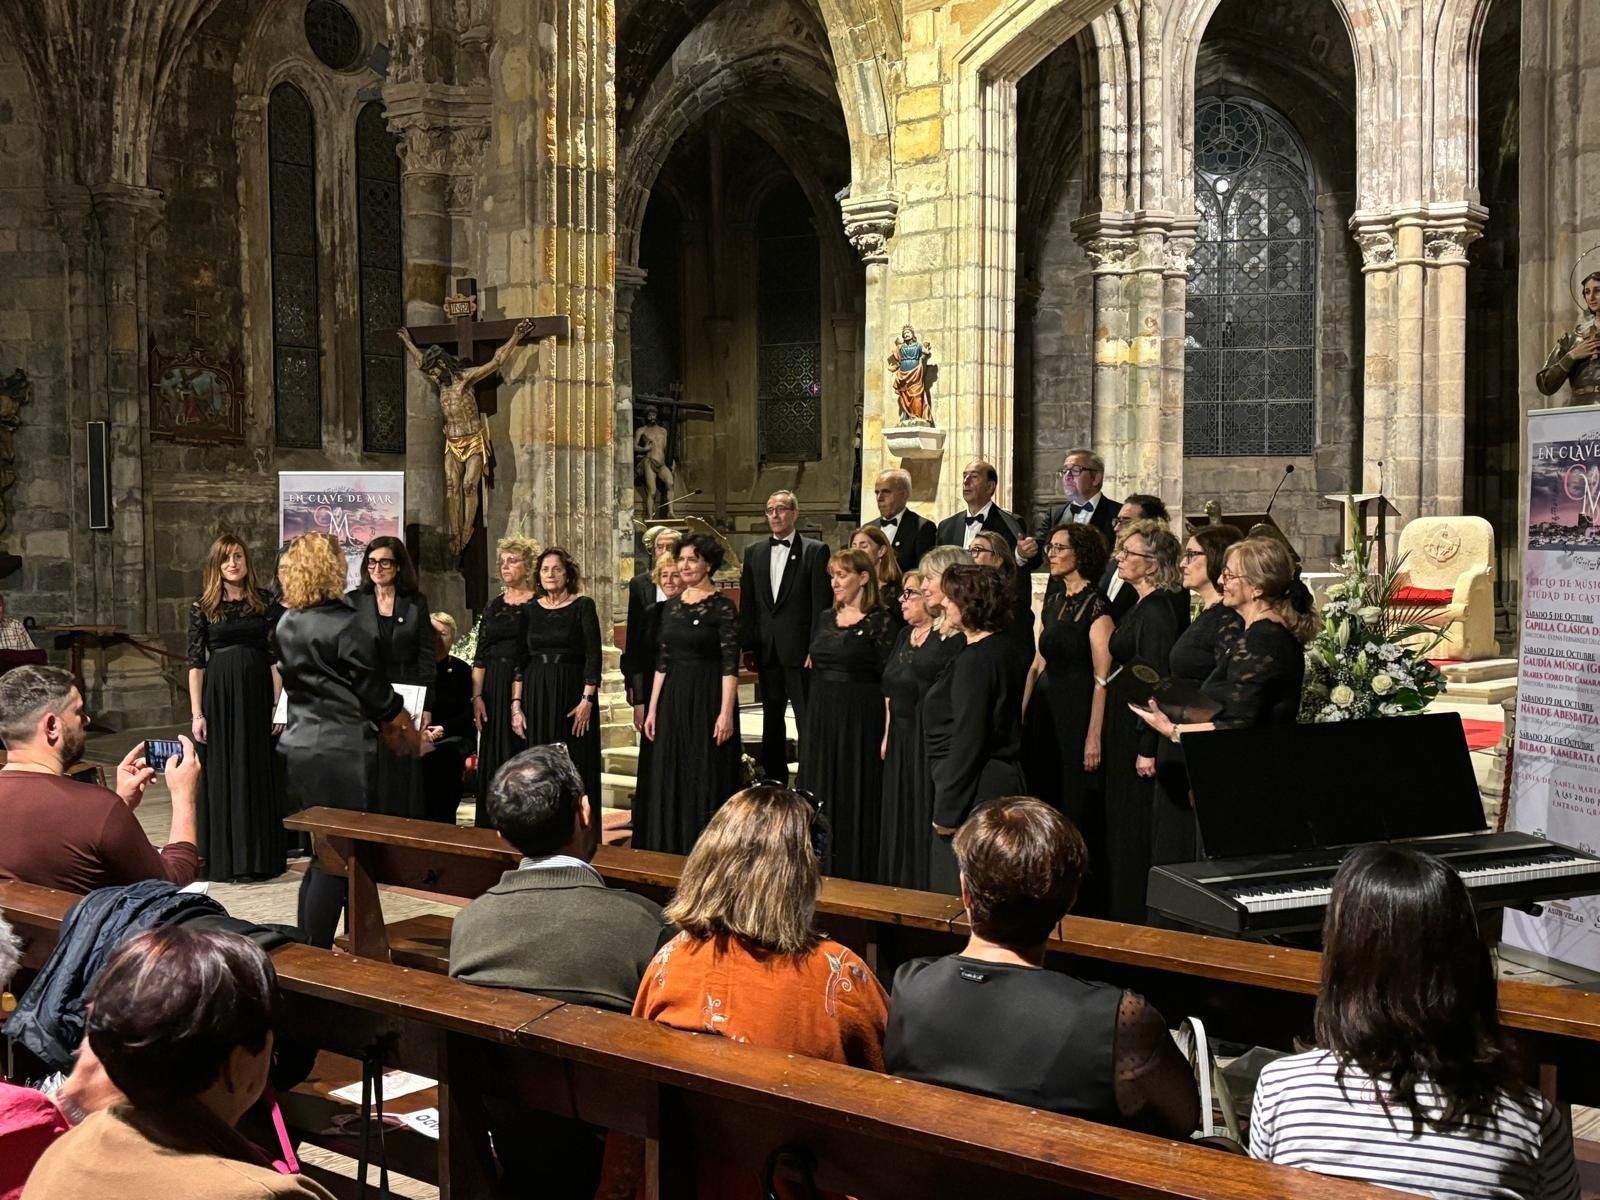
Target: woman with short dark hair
[(972, 717), (557, 697), (991, 550), (182, 1020), (388, 598), (1411, 1085), (1050, 1041), (694, 707)]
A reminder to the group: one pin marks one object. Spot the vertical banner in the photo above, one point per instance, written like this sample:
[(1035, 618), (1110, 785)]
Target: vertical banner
[(353, 506), (1555, 764)]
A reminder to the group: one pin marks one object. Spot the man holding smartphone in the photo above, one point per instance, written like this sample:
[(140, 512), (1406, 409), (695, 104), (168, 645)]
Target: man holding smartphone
[(78, 836)]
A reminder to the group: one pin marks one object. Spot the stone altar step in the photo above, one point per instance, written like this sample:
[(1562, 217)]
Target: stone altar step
[(1477, 672), (1485, 691)]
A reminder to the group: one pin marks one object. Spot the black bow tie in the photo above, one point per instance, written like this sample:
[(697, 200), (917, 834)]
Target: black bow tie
[(1080, 508), (780, 542), (888, 521), (977, 520)]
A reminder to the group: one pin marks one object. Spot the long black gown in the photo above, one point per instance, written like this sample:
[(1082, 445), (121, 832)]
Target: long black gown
[(562, 657), (1145, 636), (639, 675), (502, 638), (691, 776), (972, 731), (839, 748), (1063, 697), (450, 708), (406, 646), (905, 838), (241, 810), (1210, 638)]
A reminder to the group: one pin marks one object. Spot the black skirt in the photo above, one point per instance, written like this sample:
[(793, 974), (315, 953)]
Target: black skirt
[(241, 817), (906, 831), (841, 765), (550, 691), (690, 775), (496, 741)]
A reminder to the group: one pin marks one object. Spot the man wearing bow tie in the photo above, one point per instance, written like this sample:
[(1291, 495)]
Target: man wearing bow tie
[(978, 483), (911, 535), (1082, 473), (782, 588)]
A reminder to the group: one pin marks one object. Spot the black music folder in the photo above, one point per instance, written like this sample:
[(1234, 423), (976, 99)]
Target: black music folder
[(1299, 787)]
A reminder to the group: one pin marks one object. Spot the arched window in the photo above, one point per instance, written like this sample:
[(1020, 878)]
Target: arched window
[(383, 373), (296, 320), (788, 328), (1250, 349)]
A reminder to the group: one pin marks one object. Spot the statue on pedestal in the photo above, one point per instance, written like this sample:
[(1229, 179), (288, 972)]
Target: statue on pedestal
[(910, 363), (1576, 357), (655, 474)]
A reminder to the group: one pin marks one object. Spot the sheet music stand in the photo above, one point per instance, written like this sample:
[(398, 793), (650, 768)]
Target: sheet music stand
[(1369, 506)]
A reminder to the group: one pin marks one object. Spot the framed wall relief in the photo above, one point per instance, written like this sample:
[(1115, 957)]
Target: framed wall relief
[(196, 400)]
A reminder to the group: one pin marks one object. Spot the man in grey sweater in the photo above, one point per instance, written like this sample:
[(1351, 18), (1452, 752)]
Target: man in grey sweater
[(552, 926)]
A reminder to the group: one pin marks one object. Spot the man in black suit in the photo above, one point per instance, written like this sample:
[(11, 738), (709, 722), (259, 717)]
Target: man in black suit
[(782, 588), (910, 535), (1082, 473), (979, 480)]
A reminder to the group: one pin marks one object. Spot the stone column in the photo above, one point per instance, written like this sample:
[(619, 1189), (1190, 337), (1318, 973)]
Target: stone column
[(1174, 330), (629, 280), (1402, 472), (869, 223), (1377, 242), (1111, 259), (70, 206), (441, 131), (1445, 400)]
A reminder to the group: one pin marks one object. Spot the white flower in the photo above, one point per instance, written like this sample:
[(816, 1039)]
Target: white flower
[(1342, 696), (1335, 591), (1382, 685), (1370, 613)]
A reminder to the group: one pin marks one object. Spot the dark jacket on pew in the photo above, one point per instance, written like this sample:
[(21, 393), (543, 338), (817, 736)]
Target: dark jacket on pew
[(560, 932)]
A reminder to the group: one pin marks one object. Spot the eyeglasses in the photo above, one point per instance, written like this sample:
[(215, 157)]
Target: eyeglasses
[(1055, 548), (1228, 573), (1121, 522), (1191, 555), (1074, 472), (772, 512), (380, 564), (1126, 553)]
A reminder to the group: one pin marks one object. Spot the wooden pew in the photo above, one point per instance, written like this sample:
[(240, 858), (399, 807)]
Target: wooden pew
[(692, 1097), (1245, 991)]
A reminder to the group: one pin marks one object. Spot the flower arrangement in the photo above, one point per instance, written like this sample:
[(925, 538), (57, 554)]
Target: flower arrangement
[(1370, 659)]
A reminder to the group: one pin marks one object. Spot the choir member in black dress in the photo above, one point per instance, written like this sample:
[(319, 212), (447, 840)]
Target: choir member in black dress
[(1210, 638), (233, 687), (874, 543), (841, 748), (497, 664), (388, 598), (450, 733), (643, 593), (972, 717), (694, 711), (557, 699), (994, 552), (1063, 706), (339, 701), (1147, 561), (639, 667), (920, 654), (1258, 683)]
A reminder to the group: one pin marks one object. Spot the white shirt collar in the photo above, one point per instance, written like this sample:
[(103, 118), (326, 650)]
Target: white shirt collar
[(982, 512), (549, 862)]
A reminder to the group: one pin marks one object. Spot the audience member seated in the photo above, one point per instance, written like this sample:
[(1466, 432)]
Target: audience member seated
[(750, 966), (183, 1021), (992, 1020), (1411, 1084), (552, 926), (74, 836), (14, 634)]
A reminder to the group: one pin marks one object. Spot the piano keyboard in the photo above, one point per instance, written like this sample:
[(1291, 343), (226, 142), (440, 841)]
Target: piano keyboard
[(1280, 893)]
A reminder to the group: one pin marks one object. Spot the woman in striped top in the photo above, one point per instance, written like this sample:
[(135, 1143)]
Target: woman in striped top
[(1411, 1085)]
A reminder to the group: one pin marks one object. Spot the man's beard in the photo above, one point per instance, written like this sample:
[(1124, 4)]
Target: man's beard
[(73, 742)]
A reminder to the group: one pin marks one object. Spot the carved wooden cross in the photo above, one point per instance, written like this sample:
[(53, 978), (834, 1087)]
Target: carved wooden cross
[(197, 314), (474, 341)]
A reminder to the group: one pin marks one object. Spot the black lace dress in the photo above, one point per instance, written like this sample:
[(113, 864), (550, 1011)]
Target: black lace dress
[(1258, 683), (1063, 697), (1145, 637), (241, 809), (690, 775), (502, 638), (905, 835), (1210, 638), (562, 658), (840, 747)]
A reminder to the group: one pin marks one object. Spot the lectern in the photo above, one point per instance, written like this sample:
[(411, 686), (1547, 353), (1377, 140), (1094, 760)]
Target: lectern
[(1370, 508)]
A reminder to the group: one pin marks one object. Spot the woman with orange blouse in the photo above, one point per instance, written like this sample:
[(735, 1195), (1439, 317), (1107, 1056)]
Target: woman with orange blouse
[(750, 966)]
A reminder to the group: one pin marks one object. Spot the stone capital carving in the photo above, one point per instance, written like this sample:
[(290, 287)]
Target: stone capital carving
[(1112, 254), (1178, 253), (1377, 249), (869, 224), (1449, 246), (442, 130)]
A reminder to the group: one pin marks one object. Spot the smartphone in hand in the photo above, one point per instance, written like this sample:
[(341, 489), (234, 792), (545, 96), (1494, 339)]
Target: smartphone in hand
[(158, 751)]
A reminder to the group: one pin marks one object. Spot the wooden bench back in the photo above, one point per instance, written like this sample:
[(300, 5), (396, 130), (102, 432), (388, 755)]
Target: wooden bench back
[(692, 1096)]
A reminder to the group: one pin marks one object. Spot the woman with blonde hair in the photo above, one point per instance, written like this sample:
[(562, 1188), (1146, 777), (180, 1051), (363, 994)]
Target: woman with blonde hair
[(1147, 561), (233, 688), (339, 698), (497, 663), (841, 746), (750, 966)]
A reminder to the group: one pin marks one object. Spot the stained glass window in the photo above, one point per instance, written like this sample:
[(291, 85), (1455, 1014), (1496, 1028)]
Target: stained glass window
[(1249, 358), (788, 329), (383, 370), (296, 319), (332, 34)]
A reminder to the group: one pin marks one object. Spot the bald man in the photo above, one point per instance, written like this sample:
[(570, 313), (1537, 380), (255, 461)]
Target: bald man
[(910, 534)]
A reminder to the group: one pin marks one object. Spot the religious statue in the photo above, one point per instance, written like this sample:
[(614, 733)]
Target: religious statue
[(650, 443), (910, 362), (1576, 357), (467, 449)]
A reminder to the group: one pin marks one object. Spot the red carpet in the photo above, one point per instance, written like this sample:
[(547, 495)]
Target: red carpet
[(1483, 735)]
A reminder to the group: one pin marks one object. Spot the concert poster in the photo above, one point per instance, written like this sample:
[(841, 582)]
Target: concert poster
[(353, 506), (1555, 766)]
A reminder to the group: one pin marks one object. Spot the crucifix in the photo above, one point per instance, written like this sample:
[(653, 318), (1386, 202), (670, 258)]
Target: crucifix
[(196, 314), (458, 376)]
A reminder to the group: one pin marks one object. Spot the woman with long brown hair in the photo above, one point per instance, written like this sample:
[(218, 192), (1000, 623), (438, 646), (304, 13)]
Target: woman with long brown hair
[(233, 687), (875, 544)]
